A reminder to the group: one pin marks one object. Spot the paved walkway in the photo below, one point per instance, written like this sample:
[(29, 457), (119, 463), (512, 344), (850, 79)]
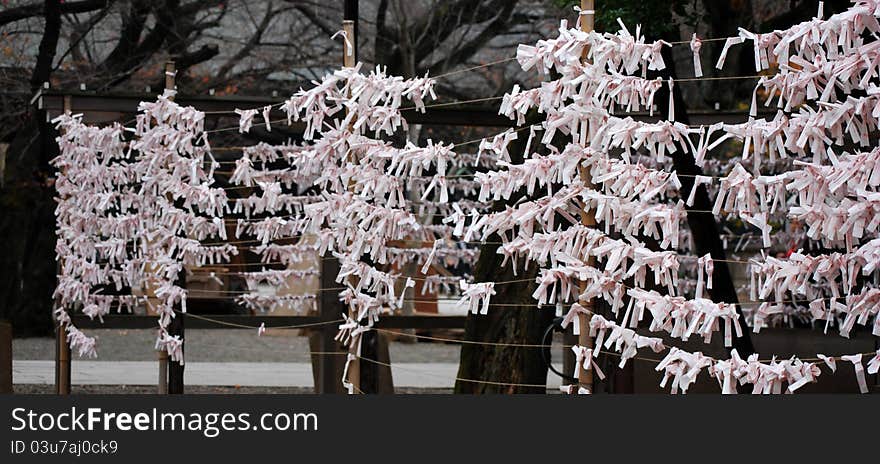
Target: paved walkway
[(233, 345), (245, 374)]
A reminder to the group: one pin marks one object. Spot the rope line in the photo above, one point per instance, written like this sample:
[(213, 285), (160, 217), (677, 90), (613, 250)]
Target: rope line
[(688, 42), (453, 103), (439, 76), (457, 378), (455, 340), (401, 366), (563, 346), (493, 98), (244, 326), (716, 78), (233, 294), (474, 68)]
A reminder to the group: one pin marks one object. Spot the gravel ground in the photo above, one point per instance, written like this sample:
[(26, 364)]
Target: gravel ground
[(226, 345)]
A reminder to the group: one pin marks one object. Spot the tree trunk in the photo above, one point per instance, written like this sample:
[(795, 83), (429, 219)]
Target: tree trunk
[(724, 17), (505, 324), (704, 228), (28, 222)]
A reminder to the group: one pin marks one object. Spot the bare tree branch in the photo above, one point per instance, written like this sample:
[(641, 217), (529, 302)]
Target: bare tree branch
[(48, 44), (251, 44), (314, 18), (37, 9), (465, 51)]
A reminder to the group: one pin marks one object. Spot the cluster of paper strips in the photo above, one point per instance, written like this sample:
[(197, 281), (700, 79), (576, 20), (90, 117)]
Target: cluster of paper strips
[(136, 206)]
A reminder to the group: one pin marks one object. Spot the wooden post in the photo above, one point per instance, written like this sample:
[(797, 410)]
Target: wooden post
[(568, 356), (5, 357), (175, 369), (170, 76), (349, 61), (163, 355), (588, 218), (62, 347), (177, 326), (62, 361), (376, 378), (163, 372), (327, 369)]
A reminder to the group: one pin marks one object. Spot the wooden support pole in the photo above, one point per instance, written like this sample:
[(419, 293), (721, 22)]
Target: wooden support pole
[(62, 361), (170, 76), (177, 325), (349, 60), (348, 57), (5, 357), (588, 217), (376, 378), (327, 368), (62, 346), (175, 369), (163, 372), (176, 328), (568, 356), (170, 72)]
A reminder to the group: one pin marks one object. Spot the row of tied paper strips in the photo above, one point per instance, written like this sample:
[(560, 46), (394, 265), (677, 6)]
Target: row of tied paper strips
[(135, 212)]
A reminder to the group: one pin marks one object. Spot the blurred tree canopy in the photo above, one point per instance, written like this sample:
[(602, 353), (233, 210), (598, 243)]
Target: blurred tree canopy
[(657, 18)]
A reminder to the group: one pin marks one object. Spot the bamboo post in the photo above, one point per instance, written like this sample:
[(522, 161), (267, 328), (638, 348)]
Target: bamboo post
[(5, 357), (588, 217), (163, 355), (62, 346)]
